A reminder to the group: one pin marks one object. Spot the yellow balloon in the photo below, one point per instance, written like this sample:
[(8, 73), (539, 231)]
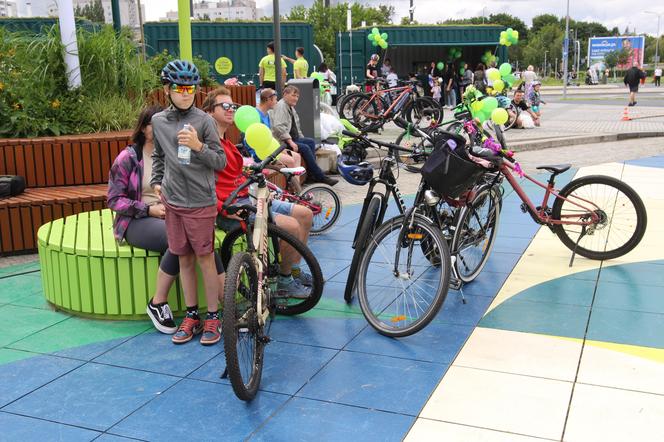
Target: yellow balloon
[(259, 137), (499, 116), (499, 85), (493, 74)]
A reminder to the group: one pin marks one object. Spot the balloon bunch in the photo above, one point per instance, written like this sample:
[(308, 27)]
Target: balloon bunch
[(378, 39), (489, 58), (318, 76), (258, 136), (502, 78), (484, 108), (509, 37), (454, 54)]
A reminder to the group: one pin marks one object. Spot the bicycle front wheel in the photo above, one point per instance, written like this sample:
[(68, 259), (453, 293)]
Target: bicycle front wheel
[(399, 290), (325, 205), (369, 221), (243, 335), (281, 245), (622, 217), (475, 232), (423, 111), (347, 103), (367, 110)]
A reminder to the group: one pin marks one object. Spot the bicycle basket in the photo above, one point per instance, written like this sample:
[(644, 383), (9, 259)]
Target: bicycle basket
[(449, 171)]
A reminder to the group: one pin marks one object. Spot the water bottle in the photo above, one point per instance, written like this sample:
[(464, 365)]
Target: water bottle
[(184, 152)]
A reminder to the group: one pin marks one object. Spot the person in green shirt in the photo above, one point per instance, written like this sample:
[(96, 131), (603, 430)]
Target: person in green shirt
[(267, 71), (300, 64)]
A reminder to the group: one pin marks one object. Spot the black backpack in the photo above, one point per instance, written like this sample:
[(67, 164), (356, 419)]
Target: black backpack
[(11, 185)]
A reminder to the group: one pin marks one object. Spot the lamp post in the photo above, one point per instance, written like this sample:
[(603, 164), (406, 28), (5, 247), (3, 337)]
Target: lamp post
[(565, 51), (659, 16), (545, 52), (349, 26)]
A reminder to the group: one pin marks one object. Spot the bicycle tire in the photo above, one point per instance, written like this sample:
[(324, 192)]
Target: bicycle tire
[(240, 324), (608, 216), (414, 111), (417, 144), (366, 111), (396, 294), (330, 210), (347, 103), (367, 228), (465, 232), (308, 263)]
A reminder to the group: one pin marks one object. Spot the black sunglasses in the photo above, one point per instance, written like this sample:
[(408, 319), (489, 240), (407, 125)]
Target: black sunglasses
[(227, 106)]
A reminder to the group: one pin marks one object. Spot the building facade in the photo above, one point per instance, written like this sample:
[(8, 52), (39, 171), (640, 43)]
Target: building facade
[(225, 10)]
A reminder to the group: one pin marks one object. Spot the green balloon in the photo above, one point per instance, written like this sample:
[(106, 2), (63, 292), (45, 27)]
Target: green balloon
[(383, 44), (440, 65), (489, 104), (462, 71), (245, 116), (383, 36), (505, 69), (375, 31), (371, 37)]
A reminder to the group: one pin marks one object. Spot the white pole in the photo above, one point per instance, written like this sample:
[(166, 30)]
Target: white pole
[(68, 36), (349, 26), (341, 68), (565, 52)]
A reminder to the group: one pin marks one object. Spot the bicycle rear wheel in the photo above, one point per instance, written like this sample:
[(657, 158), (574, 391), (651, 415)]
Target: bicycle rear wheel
[(327, 207), (423, 111), (347, 103), (622, 217), (475, 232), (367, 111), (243, 335), (400, 299), (368, 226), (308, 263)]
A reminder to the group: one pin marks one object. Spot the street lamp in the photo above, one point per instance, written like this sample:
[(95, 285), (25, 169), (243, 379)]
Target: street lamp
[(545, 52), (565, 51), (659, 16)]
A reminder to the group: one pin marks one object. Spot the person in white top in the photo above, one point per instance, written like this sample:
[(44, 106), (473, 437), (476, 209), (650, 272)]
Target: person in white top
[(528, 77), (658, 75)]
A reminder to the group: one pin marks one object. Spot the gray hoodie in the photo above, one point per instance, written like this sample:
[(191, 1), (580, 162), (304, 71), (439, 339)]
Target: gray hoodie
[(191, 185)]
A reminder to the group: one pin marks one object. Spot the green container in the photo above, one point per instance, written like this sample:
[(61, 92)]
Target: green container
[(243, 43), (409, 47), (37, 25)]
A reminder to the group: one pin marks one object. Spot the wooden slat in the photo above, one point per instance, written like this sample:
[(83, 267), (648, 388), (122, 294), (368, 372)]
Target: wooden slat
[(10, 165), (19, 160), (26, 228), (46, 153), (109, 243), (74, 283), (62, 280), (85, 284), (67, 165), (34, 167), (83, 234), (96, 245), (17, 236), (125, 286), (139, 284), (86, 157), (69, 235), (5, 231), (111, 286), (58, 164), (98, 289), (55, 238), (77, 164)]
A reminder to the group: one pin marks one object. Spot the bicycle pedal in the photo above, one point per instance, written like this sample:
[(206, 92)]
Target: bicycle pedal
[(264, 340)]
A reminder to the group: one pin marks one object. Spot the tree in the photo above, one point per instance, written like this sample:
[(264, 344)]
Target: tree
[(328, 21), (549, 38), (539, 21), (93, 11)]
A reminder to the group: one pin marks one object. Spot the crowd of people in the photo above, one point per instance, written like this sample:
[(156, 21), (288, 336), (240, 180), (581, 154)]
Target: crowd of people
[(167, 190)]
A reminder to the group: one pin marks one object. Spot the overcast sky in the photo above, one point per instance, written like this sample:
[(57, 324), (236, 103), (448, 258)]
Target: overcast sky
[(610, 13)]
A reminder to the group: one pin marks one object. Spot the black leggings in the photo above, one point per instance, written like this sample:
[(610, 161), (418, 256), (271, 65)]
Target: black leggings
[(149, 233)]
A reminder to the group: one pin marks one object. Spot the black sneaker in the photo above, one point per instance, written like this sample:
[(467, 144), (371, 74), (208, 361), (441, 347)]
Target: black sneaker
[(161, 317), (329, 181)]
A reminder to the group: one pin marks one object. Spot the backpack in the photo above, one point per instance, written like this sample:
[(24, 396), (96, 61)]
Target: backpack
[(11, 185)]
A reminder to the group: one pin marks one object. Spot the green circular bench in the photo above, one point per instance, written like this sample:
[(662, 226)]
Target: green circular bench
[(87, 273)]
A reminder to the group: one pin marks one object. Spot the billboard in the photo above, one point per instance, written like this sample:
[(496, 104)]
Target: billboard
[(599, 46)]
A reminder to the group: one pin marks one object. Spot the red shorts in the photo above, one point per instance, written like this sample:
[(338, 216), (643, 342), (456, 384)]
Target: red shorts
[(190, 230)]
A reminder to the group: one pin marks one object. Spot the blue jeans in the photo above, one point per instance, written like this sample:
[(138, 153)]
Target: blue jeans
[(307, 148)]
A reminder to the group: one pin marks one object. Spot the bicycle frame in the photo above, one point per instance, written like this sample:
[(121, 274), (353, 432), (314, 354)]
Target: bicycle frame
[(259, 246), (405, 90), (541, 214), (285, 195)]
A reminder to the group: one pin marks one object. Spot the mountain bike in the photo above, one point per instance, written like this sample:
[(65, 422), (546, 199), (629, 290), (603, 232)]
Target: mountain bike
[(375, 203), (251, 294)]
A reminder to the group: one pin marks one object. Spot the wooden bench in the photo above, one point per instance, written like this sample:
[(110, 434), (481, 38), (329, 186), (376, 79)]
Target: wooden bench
[(87, 273), (52, 165)]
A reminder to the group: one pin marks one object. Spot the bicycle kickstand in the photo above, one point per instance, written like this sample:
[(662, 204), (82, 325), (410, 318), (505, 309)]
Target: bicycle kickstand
[(455, 282), (583, 233)]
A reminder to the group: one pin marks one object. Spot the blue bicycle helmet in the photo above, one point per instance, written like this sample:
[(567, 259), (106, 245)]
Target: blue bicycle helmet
[(503, 101), (180, 72), (354, 171)]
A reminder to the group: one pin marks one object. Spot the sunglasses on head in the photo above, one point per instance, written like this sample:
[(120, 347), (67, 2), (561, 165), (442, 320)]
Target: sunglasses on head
[(181, 89), (227, 106)]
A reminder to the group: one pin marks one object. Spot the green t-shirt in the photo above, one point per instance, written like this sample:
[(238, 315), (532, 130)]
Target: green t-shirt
[(267, 63), (301, 68)]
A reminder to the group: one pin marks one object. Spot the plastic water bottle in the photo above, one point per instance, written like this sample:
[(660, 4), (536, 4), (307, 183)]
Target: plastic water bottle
[(184, 152)]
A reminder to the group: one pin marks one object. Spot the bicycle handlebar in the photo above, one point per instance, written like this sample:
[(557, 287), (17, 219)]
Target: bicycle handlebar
[(257, 169)]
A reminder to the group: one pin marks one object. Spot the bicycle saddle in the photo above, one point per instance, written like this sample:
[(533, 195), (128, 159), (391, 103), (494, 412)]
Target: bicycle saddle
[(555, 168), (297, 171)]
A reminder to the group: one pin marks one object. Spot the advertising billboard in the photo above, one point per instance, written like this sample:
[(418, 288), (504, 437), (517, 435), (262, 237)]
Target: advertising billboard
[(599, 46)]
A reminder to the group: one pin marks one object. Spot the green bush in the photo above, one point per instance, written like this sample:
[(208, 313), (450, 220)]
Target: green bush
[(34, 96)]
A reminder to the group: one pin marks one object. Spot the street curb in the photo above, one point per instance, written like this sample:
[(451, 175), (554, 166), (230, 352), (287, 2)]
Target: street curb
[(521, 146)]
